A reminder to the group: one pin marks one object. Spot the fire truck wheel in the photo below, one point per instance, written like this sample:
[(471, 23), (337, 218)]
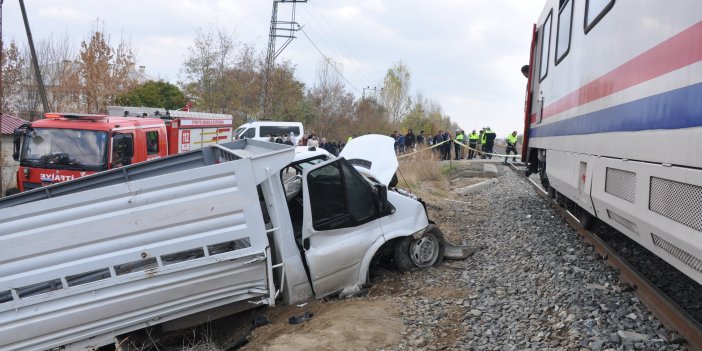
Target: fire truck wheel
[(12, 191)]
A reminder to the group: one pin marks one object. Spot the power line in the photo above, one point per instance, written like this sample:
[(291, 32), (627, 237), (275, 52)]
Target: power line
[(324, 40), (343, 47), (329, 60), (341, 40)]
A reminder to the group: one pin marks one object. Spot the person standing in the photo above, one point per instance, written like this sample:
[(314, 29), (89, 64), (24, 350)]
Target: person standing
[(326, 146), (472, 144), (511, 146), (489, 141), (438, 138), (395, 145), (447, 146), (420, 139), (481, 138), (457, 146), (410, 140), (312, 141)]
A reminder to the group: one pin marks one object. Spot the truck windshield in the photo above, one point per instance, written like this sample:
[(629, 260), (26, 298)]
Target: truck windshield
[(65, 149)]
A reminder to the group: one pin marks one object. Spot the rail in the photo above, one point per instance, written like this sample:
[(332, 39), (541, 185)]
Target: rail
[(667, 311)]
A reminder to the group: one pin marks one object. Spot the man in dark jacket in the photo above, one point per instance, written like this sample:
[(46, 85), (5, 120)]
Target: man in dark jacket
[(447, 146), (410, 140), (438, 138), (489, 141)]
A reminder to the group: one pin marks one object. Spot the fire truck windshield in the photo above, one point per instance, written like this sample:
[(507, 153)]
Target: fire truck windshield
[(65, 149)]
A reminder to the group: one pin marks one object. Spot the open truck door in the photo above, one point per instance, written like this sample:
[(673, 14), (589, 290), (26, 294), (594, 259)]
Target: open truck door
[(340, 225)]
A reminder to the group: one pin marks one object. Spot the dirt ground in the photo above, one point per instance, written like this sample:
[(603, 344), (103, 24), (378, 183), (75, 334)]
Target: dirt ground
[(355, 324)]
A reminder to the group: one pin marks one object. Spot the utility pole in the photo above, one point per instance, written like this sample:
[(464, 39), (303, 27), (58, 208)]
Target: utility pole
[(2, 91), (278, 29), (35, 62), (374, 90), (2, 95)]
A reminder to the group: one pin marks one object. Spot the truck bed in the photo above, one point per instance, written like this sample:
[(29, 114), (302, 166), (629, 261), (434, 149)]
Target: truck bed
[(86, 260)]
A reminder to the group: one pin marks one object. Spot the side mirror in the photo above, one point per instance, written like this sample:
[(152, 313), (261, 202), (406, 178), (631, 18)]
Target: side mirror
[(17, 140), (382, 198)]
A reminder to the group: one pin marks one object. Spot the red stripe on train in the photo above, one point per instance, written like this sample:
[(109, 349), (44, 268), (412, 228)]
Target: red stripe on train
[(683, 49)]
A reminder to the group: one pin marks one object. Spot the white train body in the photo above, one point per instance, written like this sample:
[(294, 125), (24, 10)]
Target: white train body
[(614, 119)]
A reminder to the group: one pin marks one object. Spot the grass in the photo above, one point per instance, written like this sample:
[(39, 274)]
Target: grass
[(423, 175), (414, 171)]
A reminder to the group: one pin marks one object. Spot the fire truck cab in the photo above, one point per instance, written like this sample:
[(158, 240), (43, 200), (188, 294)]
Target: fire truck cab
[(62, 146)]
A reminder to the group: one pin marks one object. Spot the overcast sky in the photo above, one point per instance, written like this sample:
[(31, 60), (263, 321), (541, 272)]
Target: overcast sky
[(465, 54)]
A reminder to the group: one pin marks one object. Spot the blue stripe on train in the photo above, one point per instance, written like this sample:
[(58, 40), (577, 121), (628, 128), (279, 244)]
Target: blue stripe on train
[(679, 108)]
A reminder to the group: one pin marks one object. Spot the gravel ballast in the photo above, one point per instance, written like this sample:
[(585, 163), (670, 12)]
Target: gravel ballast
[(533, 284)]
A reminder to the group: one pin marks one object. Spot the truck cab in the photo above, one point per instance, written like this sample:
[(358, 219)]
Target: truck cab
[(66, 146), (63, 147)]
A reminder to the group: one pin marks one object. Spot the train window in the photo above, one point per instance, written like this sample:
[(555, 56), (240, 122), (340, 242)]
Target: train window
[(565, 20), (594, 11), (545, 47)]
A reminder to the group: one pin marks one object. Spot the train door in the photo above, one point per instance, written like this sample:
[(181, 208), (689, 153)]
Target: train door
[(528, 72), (542, 63)]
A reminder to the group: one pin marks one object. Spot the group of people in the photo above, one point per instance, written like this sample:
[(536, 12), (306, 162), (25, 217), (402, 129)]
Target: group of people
[(310, 140), (480, 144), (407, 142)]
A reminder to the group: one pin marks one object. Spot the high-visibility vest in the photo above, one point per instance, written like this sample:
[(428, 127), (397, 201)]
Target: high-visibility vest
[(512, 139), (483, 138), (473, 137), (459, 137)]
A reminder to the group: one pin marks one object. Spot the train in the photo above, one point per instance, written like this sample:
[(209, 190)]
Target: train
[(613, 119)]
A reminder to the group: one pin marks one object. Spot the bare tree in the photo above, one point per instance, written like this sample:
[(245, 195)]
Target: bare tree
[(57, 58), (334, 105), (206, 70), (105, 71), (395, 92), (13, 67)]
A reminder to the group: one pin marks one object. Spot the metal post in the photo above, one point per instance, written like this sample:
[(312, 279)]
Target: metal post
[(266, 103), (2, 91), (35, 62)]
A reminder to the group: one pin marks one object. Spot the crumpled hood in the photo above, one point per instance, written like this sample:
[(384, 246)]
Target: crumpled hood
[(374, 155)]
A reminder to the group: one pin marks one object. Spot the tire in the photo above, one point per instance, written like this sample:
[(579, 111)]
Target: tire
[(414, 254), (12, 191)]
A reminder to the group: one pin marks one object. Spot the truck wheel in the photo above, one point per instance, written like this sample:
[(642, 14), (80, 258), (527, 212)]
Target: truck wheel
[(412, 254), (12, 191)]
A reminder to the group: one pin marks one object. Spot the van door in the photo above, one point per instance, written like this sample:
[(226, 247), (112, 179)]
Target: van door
[(340, 224)]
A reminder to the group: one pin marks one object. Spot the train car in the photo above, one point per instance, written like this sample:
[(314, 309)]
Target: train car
[(613, 118)]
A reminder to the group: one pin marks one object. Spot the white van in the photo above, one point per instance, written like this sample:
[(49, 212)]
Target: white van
[(262, 130)]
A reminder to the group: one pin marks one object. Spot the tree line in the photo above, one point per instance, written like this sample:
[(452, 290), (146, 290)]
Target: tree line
[(219, 74)]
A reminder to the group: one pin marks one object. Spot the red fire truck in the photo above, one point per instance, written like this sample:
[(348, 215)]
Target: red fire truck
[(65, 146)]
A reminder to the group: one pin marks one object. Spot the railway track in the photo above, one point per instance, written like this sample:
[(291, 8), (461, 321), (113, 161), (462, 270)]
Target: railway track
[(668, 312)]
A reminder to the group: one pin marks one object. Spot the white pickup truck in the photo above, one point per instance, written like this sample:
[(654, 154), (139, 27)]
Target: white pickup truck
[(227, 227)]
